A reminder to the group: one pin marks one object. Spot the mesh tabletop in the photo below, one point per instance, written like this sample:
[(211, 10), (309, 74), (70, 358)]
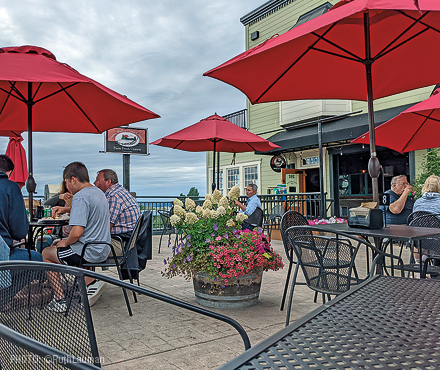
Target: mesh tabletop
[(387, 322)]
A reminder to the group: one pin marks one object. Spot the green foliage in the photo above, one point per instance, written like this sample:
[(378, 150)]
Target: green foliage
[(430, 166), (193, 192)]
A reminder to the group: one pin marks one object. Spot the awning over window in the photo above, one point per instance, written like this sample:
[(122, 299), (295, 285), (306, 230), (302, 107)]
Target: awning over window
[(334, 132)]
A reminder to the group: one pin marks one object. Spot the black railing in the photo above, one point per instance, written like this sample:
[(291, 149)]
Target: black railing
[(306, 203), (238, 118)]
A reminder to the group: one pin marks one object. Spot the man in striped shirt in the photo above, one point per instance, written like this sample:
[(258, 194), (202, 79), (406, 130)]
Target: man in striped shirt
[(124, 208)]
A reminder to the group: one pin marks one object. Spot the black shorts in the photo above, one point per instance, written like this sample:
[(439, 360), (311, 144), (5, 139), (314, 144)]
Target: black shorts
[(68, 257)]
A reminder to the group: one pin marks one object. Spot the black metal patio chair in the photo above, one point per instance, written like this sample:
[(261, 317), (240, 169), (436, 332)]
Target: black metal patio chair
[(327, 260), (290, 218), (29, 326), (273, 220), (167, 228)]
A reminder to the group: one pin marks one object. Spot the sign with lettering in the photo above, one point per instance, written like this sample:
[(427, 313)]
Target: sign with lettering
[(127, 140)]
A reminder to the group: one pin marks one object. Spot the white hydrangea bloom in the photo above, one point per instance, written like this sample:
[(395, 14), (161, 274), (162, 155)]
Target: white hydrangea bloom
[(223, 202), (216, 196), (178, 202), (199, 209), (190, 205), (207, 204), (208, 197), (234, 193), (215, 215), (221, 210), (191, 218), (179, 211), (230, 223), (207, 213), (241, 217), (174, 219)]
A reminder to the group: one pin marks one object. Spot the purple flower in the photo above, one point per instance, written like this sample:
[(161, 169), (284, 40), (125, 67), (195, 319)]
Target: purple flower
[(188, 237), (207, 241), (260, 230), (215, 227), (174, 265), (222, 286), (226, 236), (215, 279), (212, 234), (234, 231), (164, 261), (188, 244)]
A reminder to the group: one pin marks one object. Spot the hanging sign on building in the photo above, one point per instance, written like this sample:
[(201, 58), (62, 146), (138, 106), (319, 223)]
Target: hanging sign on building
[(127, 140), (277, 162)]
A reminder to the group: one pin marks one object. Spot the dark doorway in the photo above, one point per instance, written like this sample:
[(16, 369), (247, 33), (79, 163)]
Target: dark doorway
[(312, 180)]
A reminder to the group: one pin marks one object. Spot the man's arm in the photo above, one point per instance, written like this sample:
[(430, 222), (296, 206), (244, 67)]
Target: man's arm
[(60, 210), (397, 206), (73, 237), (240, 205)]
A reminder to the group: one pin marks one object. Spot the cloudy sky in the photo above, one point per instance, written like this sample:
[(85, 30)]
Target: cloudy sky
[(155, 52)]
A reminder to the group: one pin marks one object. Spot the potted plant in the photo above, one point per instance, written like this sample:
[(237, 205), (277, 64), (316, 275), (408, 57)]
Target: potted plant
[(224, 262)]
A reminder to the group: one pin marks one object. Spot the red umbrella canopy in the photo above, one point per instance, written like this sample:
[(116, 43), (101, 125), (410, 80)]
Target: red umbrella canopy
[(417, 127), (16, 152), (331, 51), (360, 49), (63, 99), (218, 134)]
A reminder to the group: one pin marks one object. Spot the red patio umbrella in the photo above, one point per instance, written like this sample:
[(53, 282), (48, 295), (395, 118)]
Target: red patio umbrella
[(417, 127), (216, 134), (38, 93), (360, 49), (16, 152)]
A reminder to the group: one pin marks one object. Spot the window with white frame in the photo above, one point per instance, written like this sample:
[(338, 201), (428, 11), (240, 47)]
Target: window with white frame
[(233, 177), (250, 176)]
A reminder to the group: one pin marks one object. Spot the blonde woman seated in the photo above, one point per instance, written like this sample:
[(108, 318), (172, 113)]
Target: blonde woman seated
[(429, 202)]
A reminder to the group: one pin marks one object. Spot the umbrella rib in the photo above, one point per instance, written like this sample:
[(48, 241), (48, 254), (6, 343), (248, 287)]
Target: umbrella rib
[(77, 105), (419, 20), (355, 57), (296, 61), (175, 147), (36, 91), (415, 133), (56, 92), (428, 116), (6, 100), (384, 51), (338, 55)]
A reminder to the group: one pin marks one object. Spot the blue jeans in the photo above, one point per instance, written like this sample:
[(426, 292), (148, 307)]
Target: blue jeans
[(22, 254)]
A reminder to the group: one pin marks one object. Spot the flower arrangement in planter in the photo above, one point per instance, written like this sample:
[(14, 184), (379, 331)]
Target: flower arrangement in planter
[(324, 221), (212, 244)]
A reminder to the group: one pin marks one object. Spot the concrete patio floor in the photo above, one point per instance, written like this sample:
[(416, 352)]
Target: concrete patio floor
[(162, 336)]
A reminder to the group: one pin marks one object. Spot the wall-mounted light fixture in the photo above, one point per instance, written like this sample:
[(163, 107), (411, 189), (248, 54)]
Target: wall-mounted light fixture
[(255, 35)]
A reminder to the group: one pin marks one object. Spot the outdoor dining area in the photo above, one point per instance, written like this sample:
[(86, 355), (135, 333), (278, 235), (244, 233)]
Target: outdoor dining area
[(196, 282)]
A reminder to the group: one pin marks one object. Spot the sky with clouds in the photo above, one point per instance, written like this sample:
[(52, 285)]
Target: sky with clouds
[(155, 52)]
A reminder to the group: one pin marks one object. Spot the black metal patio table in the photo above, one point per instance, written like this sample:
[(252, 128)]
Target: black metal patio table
[(413, 236), (37, 228), (385, 322)]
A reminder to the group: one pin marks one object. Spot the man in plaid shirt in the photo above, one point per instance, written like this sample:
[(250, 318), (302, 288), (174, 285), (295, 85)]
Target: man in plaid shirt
[(124, 208)]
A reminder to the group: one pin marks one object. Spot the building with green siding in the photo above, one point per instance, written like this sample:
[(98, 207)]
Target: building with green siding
[(293, 126)]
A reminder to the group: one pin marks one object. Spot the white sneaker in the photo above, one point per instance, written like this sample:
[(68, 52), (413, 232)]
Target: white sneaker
[(57, 305), (94, 291)]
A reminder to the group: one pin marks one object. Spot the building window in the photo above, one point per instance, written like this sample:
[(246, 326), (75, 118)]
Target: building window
[(220, 177), (233, 177), (250, 176)]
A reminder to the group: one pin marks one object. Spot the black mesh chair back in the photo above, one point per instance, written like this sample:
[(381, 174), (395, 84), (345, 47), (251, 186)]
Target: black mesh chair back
[(273, 219), (113, 260), (416, 214), (429, 247), (28, 328), (290, 218), (24, 308), (327, 259), (167, 228)]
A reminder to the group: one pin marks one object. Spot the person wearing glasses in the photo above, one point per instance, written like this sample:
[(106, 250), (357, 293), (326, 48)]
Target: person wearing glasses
[(401, 201)]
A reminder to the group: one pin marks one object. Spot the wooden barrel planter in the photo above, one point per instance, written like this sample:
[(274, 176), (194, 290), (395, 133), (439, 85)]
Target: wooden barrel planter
[(239, 293)]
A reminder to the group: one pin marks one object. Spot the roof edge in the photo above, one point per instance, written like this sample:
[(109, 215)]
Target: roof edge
[(263, 11)]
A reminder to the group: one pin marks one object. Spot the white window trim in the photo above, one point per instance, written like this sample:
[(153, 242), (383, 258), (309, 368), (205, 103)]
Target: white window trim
[(241, 166)]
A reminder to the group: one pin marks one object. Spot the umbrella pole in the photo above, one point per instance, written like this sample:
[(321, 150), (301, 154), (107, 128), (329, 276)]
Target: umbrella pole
[(213, 168), (218, 170), (373, 163)]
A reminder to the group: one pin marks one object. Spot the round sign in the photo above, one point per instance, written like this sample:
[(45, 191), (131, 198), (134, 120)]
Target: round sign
[(277, 163)]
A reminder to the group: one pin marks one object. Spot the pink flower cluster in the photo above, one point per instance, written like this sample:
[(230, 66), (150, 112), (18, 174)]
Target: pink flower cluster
[(331, 220), (249, 253)]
